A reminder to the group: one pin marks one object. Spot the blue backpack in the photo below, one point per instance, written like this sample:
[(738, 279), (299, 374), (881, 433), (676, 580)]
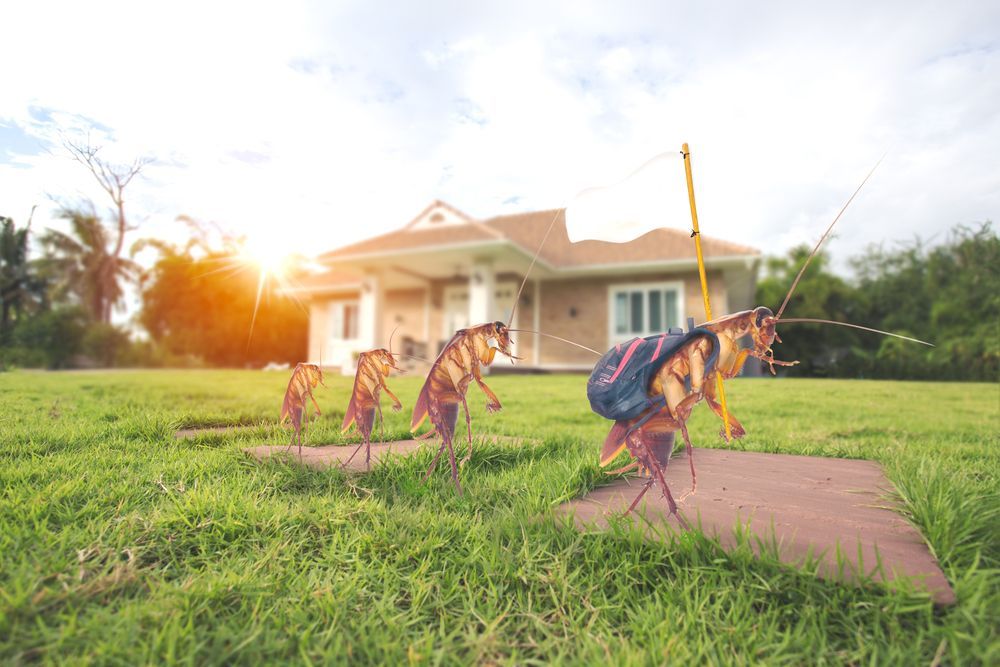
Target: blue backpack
[(617, 387)]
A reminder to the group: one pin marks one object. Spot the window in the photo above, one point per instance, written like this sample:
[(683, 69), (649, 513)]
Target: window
[(344, 320), (644, 309)]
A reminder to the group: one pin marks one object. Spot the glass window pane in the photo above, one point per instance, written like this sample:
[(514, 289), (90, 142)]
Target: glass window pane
[(350, 322), (621, 312), (670, 308), (655, 306), (336, 321), (636, 314)]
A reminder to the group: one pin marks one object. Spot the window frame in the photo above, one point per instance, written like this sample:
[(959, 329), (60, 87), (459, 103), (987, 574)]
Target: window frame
[(677, 286)]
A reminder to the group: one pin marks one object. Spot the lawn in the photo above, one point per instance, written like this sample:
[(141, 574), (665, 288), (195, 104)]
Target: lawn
[(122, 544)]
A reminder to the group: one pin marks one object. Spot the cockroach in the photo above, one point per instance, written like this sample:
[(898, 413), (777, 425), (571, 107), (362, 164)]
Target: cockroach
[(649, 387), (461, 362), (448, 380), (305, 378), (686, 376), (374, 367)]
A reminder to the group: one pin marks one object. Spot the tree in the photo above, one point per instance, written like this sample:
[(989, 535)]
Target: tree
[(113, 179), (948, 294), (21, 289), (86, 264), (203, 306), (820, 349)]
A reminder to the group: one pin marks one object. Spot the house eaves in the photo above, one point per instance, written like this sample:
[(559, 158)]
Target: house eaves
[(426, 249), (663, 264), (321, 289)]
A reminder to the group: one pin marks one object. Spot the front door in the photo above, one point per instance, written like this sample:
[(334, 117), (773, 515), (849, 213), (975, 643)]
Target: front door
[(456, 310)]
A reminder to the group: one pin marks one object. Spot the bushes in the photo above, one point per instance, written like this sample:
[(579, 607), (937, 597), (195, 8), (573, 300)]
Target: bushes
[(55, 336), (948, 294)]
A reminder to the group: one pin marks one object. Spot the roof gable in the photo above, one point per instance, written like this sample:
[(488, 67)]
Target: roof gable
[(438, 215)]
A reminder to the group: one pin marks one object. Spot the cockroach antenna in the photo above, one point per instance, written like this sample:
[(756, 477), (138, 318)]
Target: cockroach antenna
[(811, 320), (823, 238), (517, 299), (403, 354)]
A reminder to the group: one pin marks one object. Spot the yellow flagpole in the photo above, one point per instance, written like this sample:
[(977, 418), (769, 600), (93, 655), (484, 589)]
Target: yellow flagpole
[(696, 233)]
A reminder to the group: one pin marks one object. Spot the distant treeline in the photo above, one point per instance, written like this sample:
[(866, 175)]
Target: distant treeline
[(947, 294), (57, 292)]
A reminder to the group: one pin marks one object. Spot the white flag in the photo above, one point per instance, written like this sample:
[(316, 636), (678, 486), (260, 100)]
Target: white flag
[(653, 196)]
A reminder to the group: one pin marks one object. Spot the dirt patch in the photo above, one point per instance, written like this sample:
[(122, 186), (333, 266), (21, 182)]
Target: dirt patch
[(805, 504)]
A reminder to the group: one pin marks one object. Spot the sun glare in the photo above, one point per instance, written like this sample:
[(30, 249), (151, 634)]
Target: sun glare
[(270, 258)]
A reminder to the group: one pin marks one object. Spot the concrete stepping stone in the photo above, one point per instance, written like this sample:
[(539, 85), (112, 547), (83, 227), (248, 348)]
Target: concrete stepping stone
[(813, 503), (329, 456), (334, 455)]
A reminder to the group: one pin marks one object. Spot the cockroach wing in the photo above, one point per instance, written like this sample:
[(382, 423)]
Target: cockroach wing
[(349, 416), (614, 443), (422, 405), (292, 395)]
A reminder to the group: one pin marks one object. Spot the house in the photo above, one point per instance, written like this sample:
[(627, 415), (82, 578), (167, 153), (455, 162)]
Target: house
[(446, 270)]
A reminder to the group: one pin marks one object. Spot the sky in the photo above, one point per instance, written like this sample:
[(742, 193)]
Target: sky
[(306, 126)]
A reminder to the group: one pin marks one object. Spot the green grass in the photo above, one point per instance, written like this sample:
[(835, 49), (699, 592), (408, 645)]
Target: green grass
[(120, 544)]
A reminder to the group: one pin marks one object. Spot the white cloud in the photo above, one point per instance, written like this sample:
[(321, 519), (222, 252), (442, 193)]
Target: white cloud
[(314, 126)]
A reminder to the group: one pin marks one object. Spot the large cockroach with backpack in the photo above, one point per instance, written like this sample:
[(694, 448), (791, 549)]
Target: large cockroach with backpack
[(649, 386)]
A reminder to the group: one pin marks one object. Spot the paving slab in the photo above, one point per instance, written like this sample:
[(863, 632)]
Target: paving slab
[(328, 456), (334, 455), (806, 504)]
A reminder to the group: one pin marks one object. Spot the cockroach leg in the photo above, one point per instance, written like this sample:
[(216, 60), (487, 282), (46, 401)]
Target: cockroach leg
[(623, 469), (454, 467), (468, 425), (351, 457), (381, 422), (690, 451), (434, 462), (645, 488)]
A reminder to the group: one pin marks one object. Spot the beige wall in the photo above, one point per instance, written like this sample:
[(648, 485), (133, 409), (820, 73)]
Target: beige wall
[(589, 297), (694, 304), (403, 310)]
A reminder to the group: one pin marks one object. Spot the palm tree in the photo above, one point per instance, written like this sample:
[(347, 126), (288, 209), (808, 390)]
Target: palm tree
[(86, 265), (14, 275)]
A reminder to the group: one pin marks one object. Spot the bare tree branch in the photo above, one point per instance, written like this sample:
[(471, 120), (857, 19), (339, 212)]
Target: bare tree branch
[(113, 179)]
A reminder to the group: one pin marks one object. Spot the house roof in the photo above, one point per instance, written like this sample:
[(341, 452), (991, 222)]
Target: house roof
[(526, 230)]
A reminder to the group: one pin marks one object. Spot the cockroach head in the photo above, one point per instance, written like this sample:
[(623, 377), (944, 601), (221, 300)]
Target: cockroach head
[(763, 332), (386, 359), (315, 374), (501, 334)]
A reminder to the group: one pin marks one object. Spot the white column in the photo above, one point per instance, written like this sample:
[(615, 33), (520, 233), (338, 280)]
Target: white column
[(370, 312), (482, 288), (537, 322)]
